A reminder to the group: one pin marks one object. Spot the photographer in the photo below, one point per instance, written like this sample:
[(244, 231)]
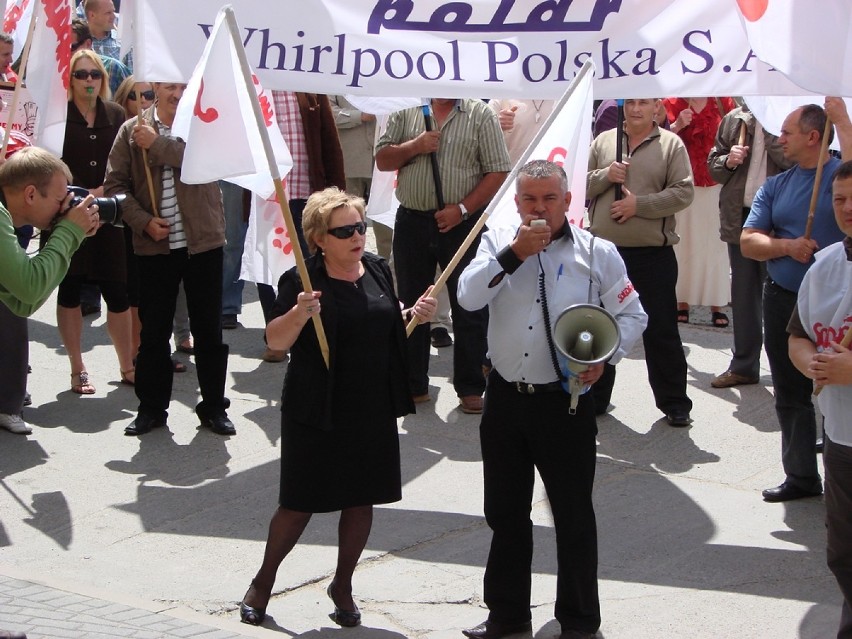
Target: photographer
[(33, 190)]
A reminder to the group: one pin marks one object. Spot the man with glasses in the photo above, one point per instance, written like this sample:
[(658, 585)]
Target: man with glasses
[(177, 237)]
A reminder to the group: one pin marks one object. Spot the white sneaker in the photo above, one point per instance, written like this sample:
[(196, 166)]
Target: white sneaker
[(14, 424)]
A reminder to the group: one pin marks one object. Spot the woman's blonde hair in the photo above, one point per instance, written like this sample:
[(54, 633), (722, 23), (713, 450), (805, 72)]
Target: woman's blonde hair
[(319, 208), (123, 90), (104, 93)]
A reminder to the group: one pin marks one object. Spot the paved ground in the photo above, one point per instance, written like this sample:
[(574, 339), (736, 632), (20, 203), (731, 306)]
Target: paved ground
[(103, 535)]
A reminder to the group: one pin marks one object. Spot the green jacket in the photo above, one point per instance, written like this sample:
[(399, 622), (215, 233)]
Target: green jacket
[(26, 283)]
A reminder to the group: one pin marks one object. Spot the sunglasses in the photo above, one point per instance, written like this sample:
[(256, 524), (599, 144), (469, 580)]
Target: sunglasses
[(82, 74), (348, 230), (146, 95)]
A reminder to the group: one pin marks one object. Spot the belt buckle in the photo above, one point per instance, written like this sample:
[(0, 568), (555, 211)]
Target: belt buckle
[(526, 389)]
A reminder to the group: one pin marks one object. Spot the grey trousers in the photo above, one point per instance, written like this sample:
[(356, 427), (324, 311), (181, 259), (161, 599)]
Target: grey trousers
[(747, 278)]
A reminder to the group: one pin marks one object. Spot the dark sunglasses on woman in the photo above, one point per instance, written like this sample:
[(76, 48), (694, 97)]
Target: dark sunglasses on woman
[(146, 95), (82, 74), (348, 230)]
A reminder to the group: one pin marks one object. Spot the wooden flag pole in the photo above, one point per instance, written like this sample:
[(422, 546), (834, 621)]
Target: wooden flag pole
[(587, 67), (823, 152), (276, 178), (743, 130), (148, 178), (13, 107)]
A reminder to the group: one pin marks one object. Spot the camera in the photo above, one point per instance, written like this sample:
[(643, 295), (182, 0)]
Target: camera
[(109, 208)]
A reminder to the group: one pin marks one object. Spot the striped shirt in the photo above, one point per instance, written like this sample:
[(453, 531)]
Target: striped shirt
[(169, 209), (471, 145), (289, 120)]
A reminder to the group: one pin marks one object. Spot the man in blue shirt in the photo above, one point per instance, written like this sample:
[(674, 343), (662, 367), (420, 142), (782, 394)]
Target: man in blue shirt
[(774, 232)]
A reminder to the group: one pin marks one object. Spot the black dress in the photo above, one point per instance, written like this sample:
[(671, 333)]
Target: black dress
[(356, 462)]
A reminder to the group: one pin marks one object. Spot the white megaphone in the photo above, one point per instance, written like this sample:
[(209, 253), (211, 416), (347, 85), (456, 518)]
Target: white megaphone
[(584, 334)]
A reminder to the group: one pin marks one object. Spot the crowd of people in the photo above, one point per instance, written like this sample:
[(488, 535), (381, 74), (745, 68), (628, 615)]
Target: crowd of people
[(694, 204)]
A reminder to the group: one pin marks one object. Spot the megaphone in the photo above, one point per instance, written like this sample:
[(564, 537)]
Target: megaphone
[(584, 334)]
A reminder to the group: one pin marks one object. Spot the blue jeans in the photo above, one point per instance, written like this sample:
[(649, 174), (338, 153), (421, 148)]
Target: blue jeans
[(793, 392)]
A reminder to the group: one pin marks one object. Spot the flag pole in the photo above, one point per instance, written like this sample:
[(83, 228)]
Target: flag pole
[(619, 143), (13, 106), (433, 158), (587, 67), (148, 178), (273, 171), (823, 153)]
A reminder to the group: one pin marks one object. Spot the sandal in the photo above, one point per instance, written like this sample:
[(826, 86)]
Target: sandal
[(82, 385), (720, 320), (126, 378), (178, 366), (186, 347), (683, 316)]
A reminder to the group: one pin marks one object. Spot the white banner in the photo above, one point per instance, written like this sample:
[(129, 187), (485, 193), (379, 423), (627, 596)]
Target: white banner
[(268, 251), (477, 48)]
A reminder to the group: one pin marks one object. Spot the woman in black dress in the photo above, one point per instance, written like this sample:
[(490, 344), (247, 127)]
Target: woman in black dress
[(90, 130), (339, 443)]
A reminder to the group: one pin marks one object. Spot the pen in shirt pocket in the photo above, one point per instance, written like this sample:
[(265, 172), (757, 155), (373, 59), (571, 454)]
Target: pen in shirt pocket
[(559, 272)]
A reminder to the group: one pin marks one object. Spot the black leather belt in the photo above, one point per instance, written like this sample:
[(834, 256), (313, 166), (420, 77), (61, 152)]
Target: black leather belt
[(532, 389)]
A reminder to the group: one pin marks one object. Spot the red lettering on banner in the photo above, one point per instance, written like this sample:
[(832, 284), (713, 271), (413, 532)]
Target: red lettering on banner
[(558, 155), (828, 335), (753, 10), (205, 115), (13, 15), (265, 104), (284, 244), (58, 14), (625, 292)]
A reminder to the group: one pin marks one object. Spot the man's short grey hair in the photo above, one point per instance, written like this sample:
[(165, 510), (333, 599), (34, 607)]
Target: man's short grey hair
[(543, 169), (6, 38)]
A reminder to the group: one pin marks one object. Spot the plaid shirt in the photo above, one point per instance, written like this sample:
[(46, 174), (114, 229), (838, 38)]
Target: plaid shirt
[(290, 122), (111, 46)]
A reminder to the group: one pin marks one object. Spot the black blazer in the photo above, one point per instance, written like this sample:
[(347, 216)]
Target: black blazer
[(308, 386)]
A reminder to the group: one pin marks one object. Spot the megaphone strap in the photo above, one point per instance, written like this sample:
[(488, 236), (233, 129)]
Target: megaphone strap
[(545, 311)]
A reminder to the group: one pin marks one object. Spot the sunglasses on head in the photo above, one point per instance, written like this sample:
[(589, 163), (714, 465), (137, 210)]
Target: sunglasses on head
[(348, 230), (82, 74), (146, 95)]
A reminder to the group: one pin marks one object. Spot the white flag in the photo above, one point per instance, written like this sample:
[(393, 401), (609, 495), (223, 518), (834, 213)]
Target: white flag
[(268, 251), (807, 41), (215, 117), (564, 139), (17, 21), (47, 72)]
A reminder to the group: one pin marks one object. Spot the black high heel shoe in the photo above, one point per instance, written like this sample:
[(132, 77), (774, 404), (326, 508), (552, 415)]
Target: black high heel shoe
[(250, 615), (345, 618)]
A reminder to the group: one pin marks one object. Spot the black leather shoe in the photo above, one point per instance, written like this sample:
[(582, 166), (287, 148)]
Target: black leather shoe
[(577, 634), (345, 618), (788, 492), (219, 424), (678, 418), (440, 337), (143, 424), (494, 630)]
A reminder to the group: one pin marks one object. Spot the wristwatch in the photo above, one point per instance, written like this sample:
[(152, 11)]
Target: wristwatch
[(464, 212)]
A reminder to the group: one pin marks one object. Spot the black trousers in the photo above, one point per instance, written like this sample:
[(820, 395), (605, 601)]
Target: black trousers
[(653, 272), (418, 248), (518, 434), (159, 279)]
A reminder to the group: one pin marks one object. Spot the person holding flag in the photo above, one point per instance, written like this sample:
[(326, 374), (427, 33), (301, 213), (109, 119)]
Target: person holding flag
[(776, 232), (656, 182), (178, 235)]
